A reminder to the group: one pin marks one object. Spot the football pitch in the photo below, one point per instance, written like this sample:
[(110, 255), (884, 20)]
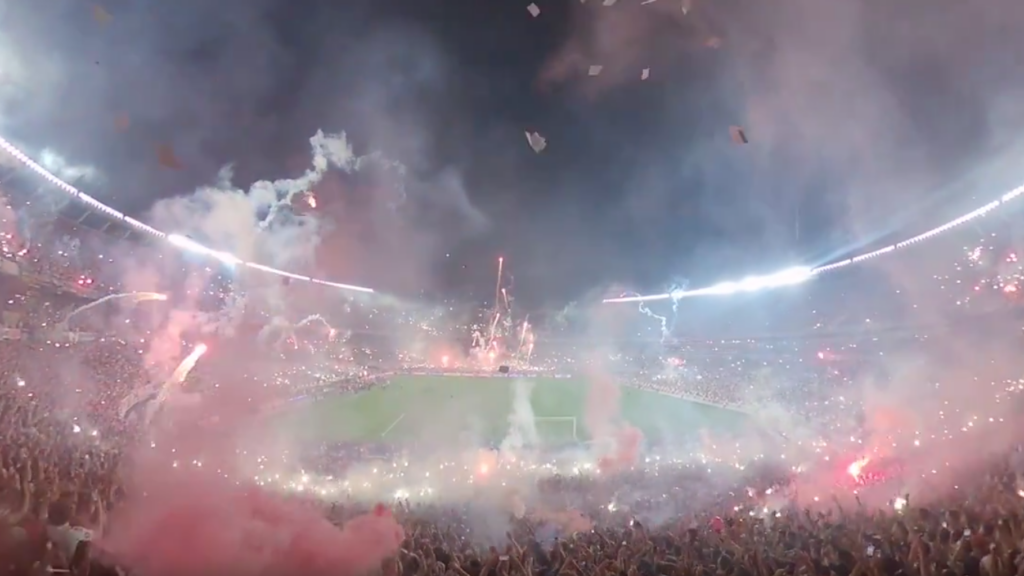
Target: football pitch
[(409, 407)]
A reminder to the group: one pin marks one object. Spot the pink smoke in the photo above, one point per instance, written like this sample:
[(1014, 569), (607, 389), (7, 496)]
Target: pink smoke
[(187, 513), (626, 450), (191, 522), (619, 442), (601, 411)]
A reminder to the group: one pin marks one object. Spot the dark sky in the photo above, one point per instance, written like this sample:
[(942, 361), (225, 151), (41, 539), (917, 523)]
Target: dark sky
[(865, 119)]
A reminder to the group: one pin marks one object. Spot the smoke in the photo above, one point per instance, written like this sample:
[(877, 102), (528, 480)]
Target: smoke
[(623, 40), (616, 443), (258, 224), (193, 509), (940, 400), (601, 411), (218, 88), (194, 522), (567, 521), (61, 168), (9, 234), (220, 85), (522, 425), (857, 128), (865, 121)]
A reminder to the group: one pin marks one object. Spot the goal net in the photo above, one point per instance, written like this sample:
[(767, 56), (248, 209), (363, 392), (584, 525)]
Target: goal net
[(556, 429)]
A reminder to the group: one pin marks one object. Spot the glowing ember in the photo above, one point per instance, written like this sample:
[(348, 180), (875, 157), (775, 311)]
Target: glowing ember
[(855, 468)]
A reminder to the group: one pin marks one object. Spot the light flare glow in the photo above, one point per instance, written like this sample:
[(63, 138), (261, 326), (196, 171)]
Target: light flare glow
[(175, 239), (797, 275)]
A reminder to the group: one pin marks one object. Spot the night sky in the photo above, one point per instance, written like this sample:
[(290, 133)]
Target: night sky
[(866, 120)]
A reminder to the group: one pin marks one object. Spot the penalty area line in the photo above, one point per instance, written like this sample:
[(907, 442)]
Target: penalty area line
[(393, 424)]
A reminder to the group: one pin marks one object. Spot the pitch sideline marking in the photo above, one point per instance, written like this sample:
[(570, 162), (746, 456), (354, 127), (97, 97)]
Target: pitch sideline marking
[(393, 424)]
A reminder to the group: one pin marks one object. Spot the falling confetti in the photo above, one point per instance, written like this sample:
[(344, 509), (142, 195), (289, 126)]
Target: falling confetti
[(687, 5), (537, 142), (645, 74), (609, 2), (167, 158), (738, 135), (100, 15), (534, 10), (595, 69), (122, 122)]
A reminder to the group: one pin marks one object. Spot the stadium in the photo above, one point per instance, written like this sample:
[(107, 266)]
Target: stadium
[(525, 421), (420, 350)]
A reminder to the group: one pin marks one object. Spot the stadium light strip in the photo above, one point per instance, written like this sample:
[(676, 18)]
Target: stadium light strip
[(175, 239), (792, 276)]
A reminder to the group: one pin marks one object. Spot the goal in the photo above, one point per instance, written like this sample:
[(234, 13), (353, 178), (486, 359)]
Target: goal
[(556, 429)]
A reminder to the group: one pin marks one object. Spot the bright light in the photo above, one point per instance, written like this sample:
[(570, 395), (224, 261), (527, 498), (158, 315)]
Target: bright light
[(855, 468), (797, 275), (176, 239), (193, 246)]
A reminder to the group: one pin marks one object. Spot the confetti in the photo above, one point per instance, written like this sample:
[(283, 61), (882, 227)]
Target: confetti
[(537, 142), (738, 135), (645, 74), (609, 2), (122, 122), (167, 158), (534, 10), (100, 15), (595, 69)]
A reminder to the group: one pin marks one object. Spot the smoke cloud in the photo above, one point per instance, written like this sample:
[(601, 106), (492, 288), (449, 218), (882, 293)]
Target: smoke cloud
[(857, 127), (522, 424), (198, 523), (226, 85)]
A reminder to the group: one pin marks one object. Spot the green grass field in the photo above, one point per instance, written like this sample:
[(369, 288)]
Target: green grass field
[(410, 406)]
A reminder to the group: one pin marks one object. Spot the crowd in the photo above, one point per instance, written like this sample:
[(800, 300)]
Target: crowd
[(65, 452), (60, 485), (63, 444)]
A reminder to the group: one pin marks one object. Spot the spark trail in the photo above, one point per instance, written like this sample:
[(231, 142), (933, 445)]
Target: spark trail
[(176, 378), (130, 296), (320, 319)]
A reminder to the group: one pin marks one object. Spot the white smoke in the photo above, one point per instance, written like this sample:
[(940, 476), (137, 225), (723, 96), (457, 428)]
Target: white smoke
[(522, 424), (258, 224), (65, 170)]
